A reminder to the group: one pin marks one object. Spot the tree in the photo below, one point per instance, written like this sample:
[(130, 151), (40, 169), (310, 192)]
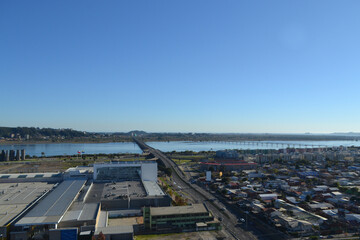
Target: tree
[(314, 237), (168, 171), (354, 190), (308, 198), (272, 177), (179, 201), (226, 180), (213, 187), (101, 236), (283, 195), (166, 188), (257, 179)]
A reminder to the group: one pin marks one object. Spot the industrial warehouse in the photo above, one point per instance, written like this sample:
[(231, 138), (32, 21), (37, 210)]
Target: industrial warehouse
[(116, 199)]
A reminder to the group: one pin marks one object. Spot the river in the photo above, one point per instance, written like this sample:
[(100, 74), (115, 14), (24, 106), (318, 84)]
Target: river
[(214, 146), (54, 149)]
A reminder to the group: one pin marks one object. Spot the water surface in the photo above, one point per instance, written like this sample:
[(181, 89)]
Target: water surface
[(214, 146), (54, 149)]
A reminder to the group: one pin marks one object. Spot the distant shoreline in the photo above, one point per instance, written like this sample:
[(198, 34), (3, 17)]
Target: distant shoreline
[(56, 142), (2, 142)]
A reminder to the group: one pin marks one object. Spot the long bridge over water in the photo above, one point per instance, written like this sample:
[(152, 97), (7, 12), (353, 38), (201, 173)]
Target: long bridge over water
[(273, 144)]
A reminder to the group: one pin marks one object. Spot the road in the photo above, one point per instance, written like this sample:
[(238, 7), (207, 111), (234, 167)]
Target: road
[(197, 194)]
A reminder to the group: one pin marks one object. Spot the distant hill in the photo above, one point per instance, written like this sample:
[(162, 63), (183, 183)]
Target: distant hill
[(32, 132), (66, 135), (347, 134)]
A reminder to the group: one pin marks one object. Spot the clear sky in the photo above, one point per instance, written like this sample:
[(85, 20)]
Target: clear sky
[(181, 66)]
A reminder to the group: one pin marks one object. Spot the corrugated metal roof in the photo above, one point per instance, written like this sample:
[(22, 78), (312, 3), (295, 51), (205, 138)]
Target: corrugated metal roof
[(52, 207)]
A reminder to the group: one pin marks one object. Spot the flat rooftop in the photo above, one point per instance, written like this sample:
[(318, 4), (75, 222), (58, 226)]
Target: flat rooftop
[(115, 190), (152, 188), (80, 211), (22, 193), (15, 197), (115, 230), (80, 169), (52, 208), (190, 209), (127, 221)]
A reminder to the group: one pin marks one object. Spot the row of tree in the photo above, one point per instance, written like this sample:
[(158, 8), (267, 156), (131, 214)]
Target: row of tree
[(33, 132)]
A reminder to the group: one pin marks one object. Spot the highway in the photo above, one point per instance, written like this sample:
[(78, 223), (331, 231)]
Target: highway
[(197, 194)]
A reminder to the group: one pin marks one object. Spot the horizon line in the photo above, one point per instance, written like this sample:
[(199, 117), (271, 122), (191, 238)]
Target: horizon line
[(194, 132)]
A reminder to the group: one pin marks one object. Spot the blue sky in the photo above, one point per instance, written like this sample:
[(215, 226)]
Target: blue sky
[(181, 66)]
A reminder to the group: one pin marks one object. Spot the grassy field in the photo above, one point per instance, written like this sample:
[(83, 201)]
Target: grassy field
[(194, 157), (56, 164), (61, 163), (182, 161)]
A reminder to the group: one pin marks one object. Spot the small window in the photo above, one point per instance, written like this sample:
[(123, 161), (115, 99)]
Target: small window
[(22, 176)]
